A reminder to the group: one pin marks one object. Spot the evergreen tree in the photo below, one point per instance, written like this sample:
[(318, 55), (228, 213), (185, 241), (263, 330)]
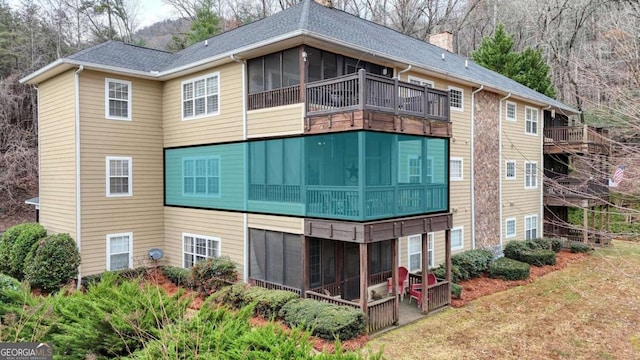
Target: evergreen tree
[(527, 67), (206, 24)]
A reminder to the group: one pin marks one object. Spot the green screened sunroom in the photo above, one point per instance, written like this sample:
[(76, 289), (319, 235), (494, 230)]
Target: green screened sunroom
[(357, 176)]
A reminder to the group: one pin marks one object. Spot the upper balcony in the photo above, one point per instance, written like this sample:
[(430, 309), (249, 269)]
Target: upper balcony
[(567, 191), (363, 101), (576, 139)]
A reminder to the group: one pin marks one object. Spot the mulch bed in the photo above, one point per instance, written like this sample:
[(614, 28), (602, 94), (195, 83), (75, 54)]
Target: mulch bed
[(484, 285)]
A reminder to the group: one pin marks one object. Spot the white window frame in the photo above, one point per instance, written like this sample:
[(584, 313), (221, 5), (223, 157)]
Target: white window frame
[(461, 230), (192, 81), (506, 227), (420, 81), (515, 111), (430, 251), (506, 170), (429, 170), (108, 175), (461, 107), (107, 99), (194, 253), (206, 159), (527, 230), (409, 174), (451, 161), (110, 237), (530, 176), (527, 120)]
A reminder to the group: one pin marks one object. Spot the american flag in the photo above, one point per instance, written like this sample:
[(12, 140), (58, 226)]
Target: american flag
[(617, 176)]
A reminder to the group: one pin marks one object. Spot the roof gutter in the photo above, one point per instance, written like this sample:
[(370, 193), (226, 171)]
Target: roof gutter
[(78, 193), (403, 71), (500, 229), (473, 173)]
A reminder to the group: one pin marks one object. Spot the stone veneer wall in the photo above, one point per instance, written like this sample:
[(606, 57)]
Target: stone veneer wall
[(487, 169)]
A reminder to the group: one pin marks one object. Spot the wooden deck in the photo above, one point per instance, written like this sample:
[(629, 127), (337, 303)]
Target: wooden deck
[(575, 192), (576, 139)]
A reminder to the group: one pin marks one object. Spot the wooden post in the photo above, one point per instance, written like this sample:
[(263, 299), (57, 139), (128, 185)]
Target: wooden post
[(362, 84), (424, 265), (608, 223), (394, 277), (447, 255), (305, 266), (585, 224), (364, 277), (601, 227), (593, 223), (303, 75)]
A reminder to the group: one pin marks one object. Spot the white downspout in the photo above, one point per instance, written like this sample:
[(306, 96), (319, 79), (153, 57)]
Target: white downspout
[(541, 165), (245, 217), (500, 164), (78, 199), (403, 71), (473, 174)]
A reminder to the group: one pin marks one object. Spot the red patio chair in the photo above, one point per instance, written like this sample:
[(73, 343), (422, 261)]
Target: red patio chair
[(415, 290), (403, 275)]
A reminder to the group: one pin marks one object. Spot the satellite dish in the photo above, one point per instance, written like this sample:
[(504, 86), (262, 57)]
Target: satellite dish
[(155, 254)]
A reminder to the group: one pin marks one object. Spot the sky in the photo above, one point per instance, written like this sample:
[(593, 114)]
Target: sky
[(152, 11)]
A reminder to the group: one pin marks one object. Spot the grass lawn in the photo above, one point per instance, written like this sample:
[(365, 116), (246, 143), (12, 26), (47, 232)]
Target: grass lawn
[(589, 310)]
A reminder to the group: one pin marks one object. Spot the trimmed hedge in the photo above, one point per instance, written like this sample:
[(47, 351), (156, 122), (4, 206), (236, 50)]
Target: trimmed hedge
[(456, 274), (556, 244), (178, 276), (214, 274), (509, 269), (324, 320), (52, 262), (9, 239), (472, 263), (29, 235), (536, 252), (456, 291), (578, 247), (267, 303)]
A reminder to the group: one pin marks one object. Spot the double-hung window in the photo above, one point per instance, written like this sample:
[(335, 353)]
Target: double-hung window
[(531, 121), (531, 227), (510, 170), (119, 176), (117, 99), (511, 111), (455, 165), (119, 251), (415, 251), (457, 238), (415, 169), (530, 175), (201, 176), (510, 227), (456, 98), (198, 248), (201, 96)]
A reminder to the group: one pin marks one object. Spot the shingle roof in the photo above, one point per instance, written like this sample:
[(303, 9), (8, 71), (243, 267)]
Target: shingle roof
[(313, 18)]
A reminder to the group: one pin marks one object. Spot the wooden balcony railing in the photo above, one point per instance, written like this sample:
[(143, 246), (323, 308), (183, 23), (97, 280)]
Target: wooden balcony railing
[(575, 188), (439, 293), (274, 286), (576, 135), (276, 97), (365, 91)]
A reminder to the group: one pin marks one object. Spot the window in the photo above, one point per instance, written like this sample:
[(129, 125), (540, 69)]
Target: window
[(119, 176), (119, 251), (415, 251), (531, 121), (419, 81), (457, 238), (456, 98), (201, 176), (277, 257), (415, 169), (198, 248), (511, 111), (117, 99), (429, 173), (531, 227), (530, 175), (200, 96), (510, 228), (455, 165), (510, 171)]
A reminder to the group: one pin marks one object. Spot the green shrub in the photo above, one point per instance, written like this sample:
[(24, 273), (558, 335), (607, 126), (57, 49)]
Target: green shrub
[(540, 243), (556, 244), (456, 291), (211, 275), (538, 257), (9, 237), (29, 235), (456, 273), (113, 318), (513, 248), (11, 294), (509, 269), (52, 262), (124, 274), (178, 276), (578, 247), (267, 303), (535, 252), (325, 320), (472, 263)]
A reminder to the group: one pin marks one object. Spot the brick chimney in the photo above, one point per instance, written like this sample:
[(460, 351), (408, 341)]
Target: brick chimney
[(326, 3), (443, 40)]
